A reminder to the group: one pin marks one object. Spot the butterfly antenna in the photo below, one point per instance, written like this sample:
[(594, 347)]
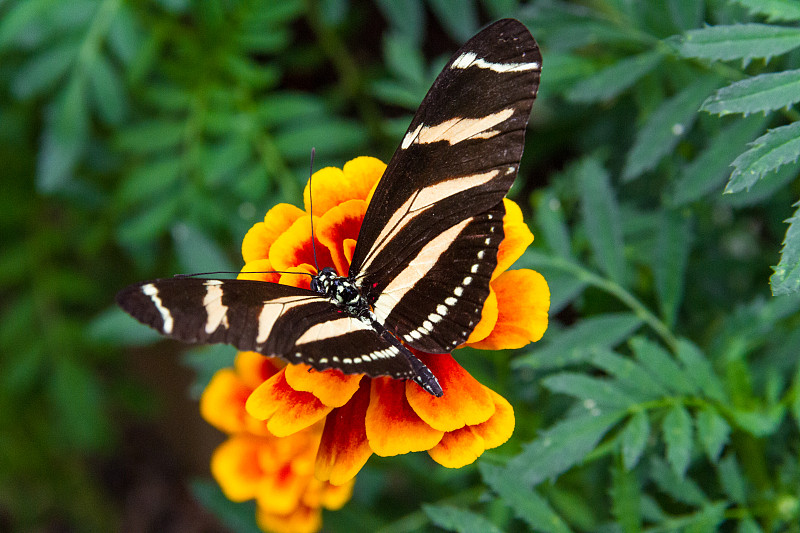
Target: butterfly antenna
[(243, 272), (311, 208)]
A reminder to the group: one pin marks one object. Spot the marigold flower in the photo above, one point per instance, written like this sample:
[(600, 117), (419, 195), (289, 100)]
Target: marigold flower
[(278, 472), (359, 415)]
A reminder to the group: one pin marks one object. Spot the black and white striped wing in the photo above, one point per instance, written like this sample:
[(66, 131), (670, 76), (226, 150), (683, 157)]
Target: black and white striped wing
[(298, 325), (428, 243)]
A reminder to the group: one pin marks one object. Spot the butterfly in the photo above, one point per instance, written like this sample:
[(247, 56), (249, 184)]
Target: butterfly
[(426, 249)]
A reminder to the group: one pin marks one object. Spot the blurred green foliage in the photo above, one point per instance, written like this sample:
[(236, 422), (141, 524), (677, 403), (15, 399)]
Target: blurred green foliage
[(143, 138)]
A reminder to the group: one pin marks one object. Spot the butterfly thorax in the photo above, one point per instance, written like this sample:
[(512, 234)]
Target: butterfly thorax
[(341, 291)]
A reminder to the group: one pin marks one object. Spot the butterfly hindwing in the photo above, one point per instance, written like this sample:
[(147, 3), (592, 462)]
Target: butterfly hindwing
[(454, 165), (298, 325)]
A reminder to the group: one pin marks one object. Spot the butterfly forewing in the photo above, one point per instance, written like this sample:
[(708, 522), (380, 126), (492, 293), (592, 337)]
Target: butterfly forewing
[(454, 165), (272, 319)]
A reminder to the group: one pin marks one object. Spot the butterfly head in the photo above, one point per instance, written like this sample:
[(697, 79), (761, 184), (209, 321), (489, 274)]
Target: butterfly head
[(341, 291)]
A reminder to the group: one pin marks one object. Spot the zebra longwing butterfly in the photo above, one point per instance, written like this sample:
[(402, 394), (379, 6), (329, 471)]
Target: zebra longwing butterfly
[(426, 249)]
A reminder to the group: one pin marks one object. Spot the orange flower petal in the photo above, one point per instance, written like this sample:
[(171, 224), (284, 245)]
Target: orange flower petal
[(288, 410), (500, 427), (222, 402), (517, 238), (235, 466), (254, 368), (293, 247), (392, 425), (465, 400), (344, 448), (340, 224), (332, 387), (332, 186), (301, 520), (259, 270), (259, 239), (281, 493), (522, 314), (488, 319), (458, 448), (334, 497), (301, 279)]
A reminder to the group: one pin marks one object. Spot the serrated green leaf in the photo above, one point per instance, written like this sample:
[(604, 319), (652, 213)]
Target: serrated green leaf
[(774, 10), (634, 438), (786, 278), (151, 136), (764, 92), (669, 267), (593, 391), (108, 91), (330, 137), (665, 127), (560, 447), (760, 422), (739, 41), (677, 431), (526, 503), (458, 17), (700, 371), (629, 375), (550, 220), (613, 80), (148, 181), (580, 341), (763, 189), (773, 149), (713, 432), (116, 327), (197, 252), (731, 479), (626, 499), (41, 73), (662, 367), (707, 520), (406, 17), (460, 520), (601, 218), (682, 489), (709, 170), (64, 139)]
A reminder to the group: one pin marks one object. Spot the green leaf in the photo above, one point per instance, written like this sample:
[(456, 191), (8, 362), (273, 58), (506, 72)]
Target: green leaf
[(108, 91), (550, 220), (626, 499), (41, 73), (222, 162), (125, 38), (773, 149), (759, 422), (77, 400), (682, 489), (671, 257), (763, 189), (240, 517), (581, 341), (731, 479), (774, 10), (206, 361), (677, 430), (560, 447), (700, 371), (116, 327), (406, 17), (748, 525), (709, 170), (665, 127), (707, 520), (147, 224), (634, 439), (197, 252), (331, 137), (153, 179), (283, 107), (713, 432), (601, 218), (19, 20), (764, 92), (593, 391), (458, 17), (739, 41), (63, 140), (786, 278), (630, 375), (404, 59), (460, 520), (795, 404), (662, 367), (613, 80), (526, 503)]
